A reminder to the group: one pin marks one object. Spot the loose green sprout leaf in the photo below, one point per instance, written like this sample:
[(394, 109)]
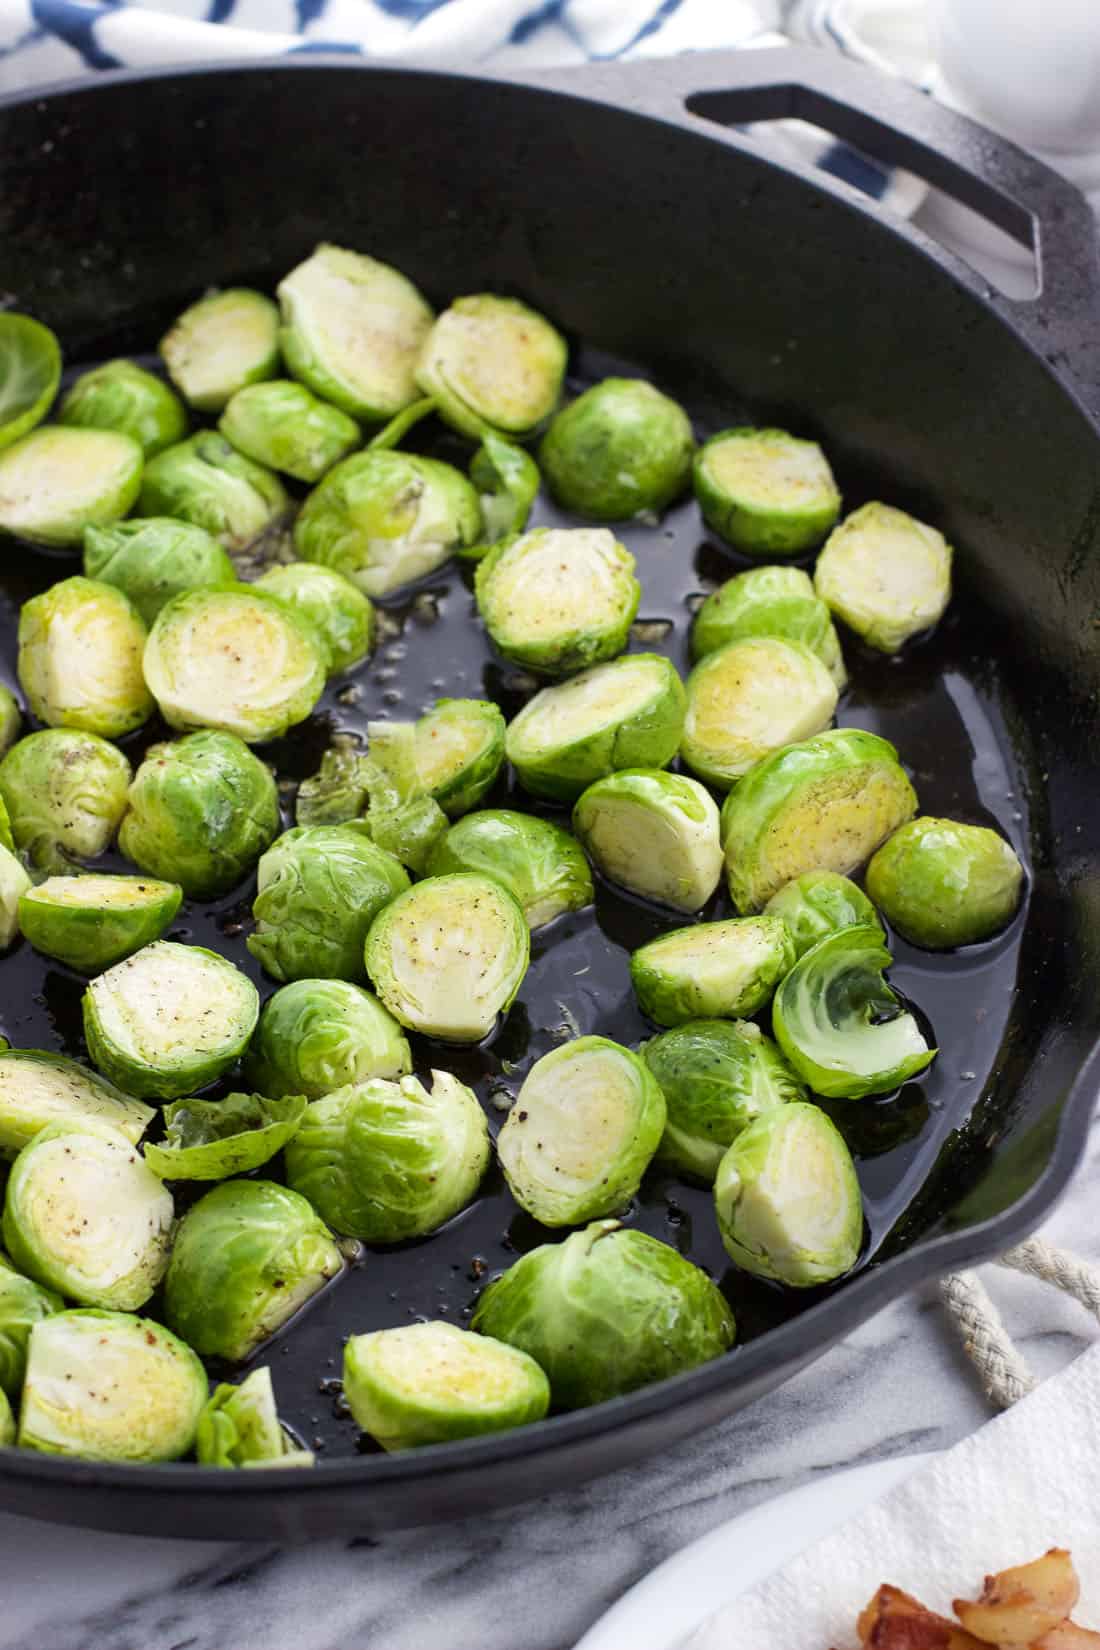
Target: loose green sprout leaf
[(788, 1200), (507, 480), (459, 751), (625, 714), (65, 793), (449, 955), (30, 372), (823, 804), (557, 599), (727, 969), (80, 658), (942, 883), (169, 1020), (393, 433), (386, 518), (541, 865), (282, 425), (319, 888), (316, 1036), (220, 344), (750, 698), (352, 330), (338, 791), (11, 719), (765, 492), (207, 482), (840, 1025), (55, 482), (386, 1161), (717, 1076), (247, 1256), (23, 1303), (90, 922), (621, 449), (655, 833), (426, 1383), (83, 1215), (240, 1427), (110, 1387), (402, 817), (605, 1312), (581, 1134), (6, 838), (14, 883), (155, 558), (202, 810), (819, 903), (769, 601), (337, 610), (887, 575), (37, 1089), (122, 396), (213, 1139), (7, 1422), (492, 364)]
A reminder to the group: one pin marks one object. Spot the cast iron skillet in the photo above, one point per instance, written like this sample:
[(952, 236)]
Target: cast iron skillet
[(616, 201)]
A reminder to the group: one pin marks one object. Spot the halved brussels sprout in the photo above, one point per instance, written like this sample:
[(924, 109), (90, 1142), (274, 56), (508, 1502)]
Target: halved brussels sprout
[(37, 1089), (788, 1199), (942, 883), (507, 480), (819, 903), (385, 518), (386, 1161), (887, 575), (582, 1132), (426, 1383), (205, 481), (766, 492), (30, 372), (169, 1019), (338, 792), (459, 751), (80, 653), (247, 1256), (55, 482), (83, 1215), (655, 833), (318, 890), (315, 1036), (11, 719), (233, 661), (541, 865), (282, 425), (726, 969), (605, 1312), (122, 396), (841, 1026), (240, 1427), (154, 558), (23, 1303), (769, 601), (65, 793), (717, 1076), (202, 810), (748, 699), (14, 883), (213, 1139), (823, 804), (491, 362), (225, 341), (353, 330), (337, 610), (90, 922), (449, 955), (107, 1386), (628, 713), (557, 598), (620, 449)]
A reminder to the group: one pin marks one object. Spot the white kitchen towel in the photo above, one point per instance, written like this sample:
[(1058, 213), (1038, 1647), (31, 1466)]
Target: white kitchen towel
[(1026, 1481)]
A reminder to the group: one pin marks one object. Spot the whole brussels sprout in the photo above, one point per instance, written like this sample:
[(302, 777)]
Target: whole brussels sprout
[(507, 481), (887, 575), (605, 1312), (122, 396), (541, 865), (30, 372), (247, 1257), (201, 811), (713, 969), (14, 884), (766, 492), (155, 558), (788, 1199), (620, 449), (822, 804), (750, 698), (315, 1036), (427, 1383), (282, 425), (717, 1076), (384, 518), (386, 1161), (55, 482), (655, 833), (225, 341), (37, 1089), (23, 1303), (628, 713), (65, 793), (557, 599), (337, 610), (819, 903), (80, 654), (90, 922), (842, 1028), (11, 719), (942, 883), (769, 601), (319, 888), (240, 1427), (492, 363), (460, 751), (205, 481), (213, 1139)]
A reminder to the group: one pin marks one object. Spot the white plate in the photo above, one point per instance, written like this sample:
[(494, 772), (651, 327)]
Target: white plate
[(661, 1610)]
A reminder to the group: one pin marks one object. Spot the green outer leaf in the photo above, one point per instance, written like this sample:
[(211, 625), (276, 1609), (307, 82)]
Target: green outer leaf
[(775, 529), (153, 558), (540, 864), (401, 817), (23, 1303), (30, 373), (120, 395), (92, 937), (507, 482), (239, 1427), (213, 1139), (337, 792), (393, 433), (37, 1089), (7, 1422), (715, 969), (315, 1036)]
